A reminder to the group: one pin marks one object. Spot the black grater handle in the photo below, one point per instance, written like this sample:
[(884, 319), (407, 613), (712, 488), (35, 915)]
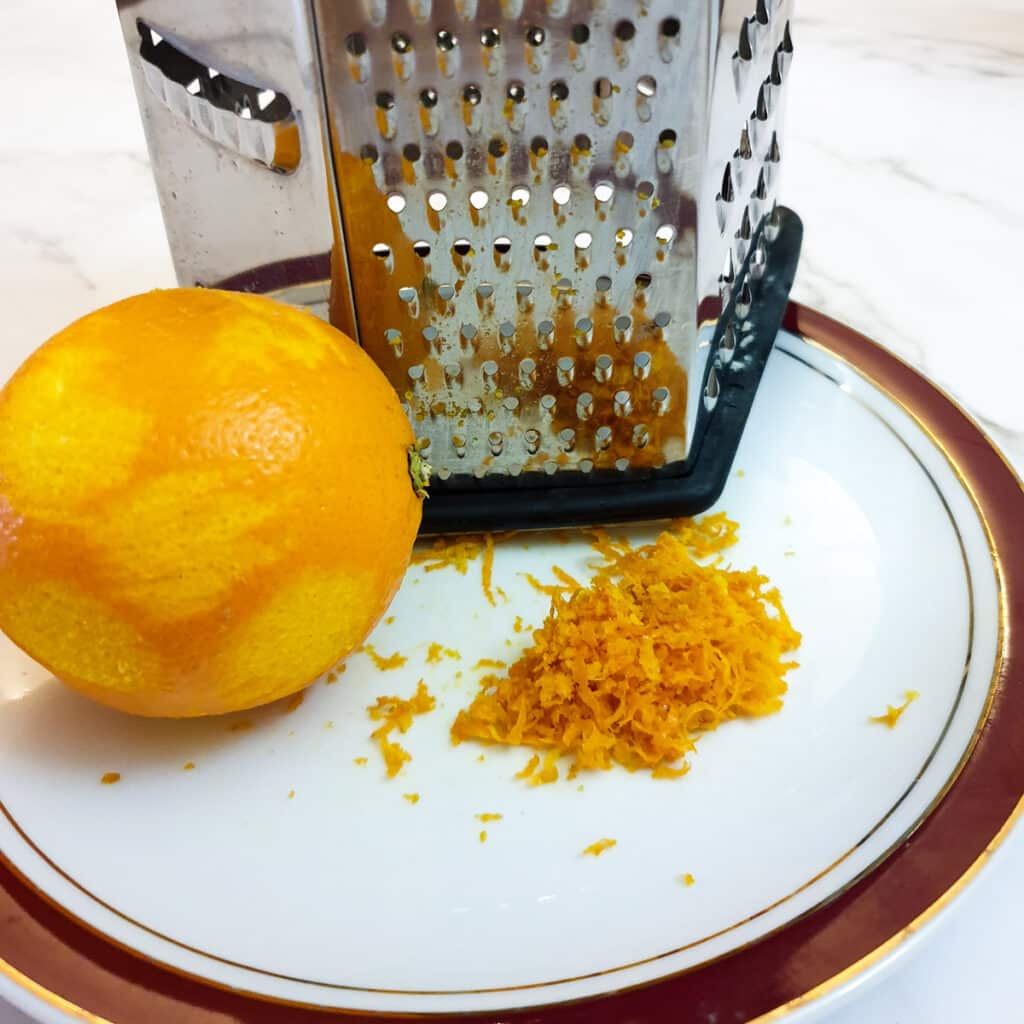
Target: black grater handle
[(664, 494)]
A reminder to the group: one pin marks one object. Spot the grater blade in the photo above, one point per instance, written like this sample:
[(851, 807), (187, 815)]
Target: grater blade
[(522, 250)]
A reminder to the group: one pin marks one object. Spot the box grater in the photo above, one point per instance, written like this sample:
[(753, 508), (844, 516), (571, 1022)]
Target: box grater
[(551, 223)]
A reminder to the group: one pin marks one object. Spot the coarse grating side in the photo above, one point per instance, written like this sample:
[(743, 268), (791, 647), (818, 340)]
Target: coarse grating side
[(531, 206)]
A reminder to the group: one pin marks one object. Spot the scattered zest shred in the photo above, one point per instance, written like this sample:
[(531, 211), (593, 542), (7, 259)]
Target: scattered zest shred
[(332, 676), (360, 760), (396, 713), (548, 772), (544, 588), (518, 624), (686, 879), (529, 768), (596, 849), (628, 670), (486, 817), (487, 568), (389, 620), (188, 766), (892, 714), (564, 578), (291, 794), (240, 727), (435, 652), (109, 778), (395, 660), (413, 798), (295, 702), (490, 663), (483, 836)]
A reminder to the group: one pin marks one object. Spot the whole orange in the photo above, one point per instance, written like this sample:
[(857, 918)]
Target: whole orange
[(205, 501)]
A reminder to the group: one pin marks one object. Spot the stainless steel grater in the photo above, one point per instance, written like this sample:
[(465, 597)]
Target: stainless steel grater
[(552, 223)]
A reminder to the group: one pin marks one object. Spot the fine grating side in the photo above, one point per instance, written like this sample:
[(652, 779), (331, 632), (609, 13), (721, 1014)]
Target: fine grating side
[(540, 202)]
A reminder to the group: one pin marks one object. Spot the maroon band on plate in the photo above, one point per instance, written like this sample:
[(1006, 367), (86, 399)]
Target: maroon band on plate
[(69, 966)]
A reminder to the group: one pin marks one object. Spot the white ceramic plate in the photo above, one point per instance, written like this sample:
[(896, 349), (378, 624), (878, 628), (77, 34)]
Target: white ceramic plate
[(280, 867)]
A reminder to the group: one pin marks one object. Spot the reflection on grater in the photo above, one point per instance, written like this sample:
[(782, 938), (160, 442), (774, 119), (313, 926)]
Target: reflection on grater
[(532, 206)]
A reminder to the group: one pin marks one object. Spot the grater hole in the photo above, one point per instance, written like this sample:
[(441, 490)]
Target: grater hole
[(401, 43), (422, 249), (643, 281), (516, 92), (645, 190), (446, 40), (625, 30), (524, 289), (535, 35), (665, 233), (520, 195), (624, 142), (583, 240), (603, 88), (559, 91), (497, 147), (670, 28), (428, 97), (581, 143), (603, 191), (411, 152), (646, 86), (407, 294), (461, 247), (381, 251), (355, 44), (369, 154), (478, 199), (663, 319), (667, 139), (385, 100), (454, 150), (623, 237), (485, 290), (490, 37), (396, 203), (580, 34), (503, 245), (603, 283), (539, 145), (561, 195), (472, 95), (542, 242), (437, 201), (445, 292)]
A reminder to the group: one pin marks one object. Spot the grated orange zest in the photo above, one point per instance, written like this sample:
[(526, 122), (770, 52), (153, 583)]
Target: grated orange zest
[(628, 670), (596, 849)]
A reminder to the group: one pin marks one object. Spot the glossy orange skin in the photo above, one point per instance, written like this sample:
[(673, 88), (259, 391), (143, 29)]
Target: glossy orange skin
[(205, 501)]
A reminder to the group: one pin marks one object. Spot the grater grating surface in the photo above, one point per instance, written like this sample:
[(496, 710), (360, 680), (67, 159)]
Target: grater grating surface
[(536, 205)]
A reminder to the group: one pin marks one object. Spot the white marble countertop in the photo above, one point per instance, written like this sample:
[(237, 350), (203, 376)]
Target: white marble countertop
[(903, 156)]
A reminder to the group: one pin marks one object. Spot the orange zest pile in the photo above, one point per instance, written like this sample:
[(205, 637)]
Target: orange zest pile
[(628, 670), (396, 713)]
